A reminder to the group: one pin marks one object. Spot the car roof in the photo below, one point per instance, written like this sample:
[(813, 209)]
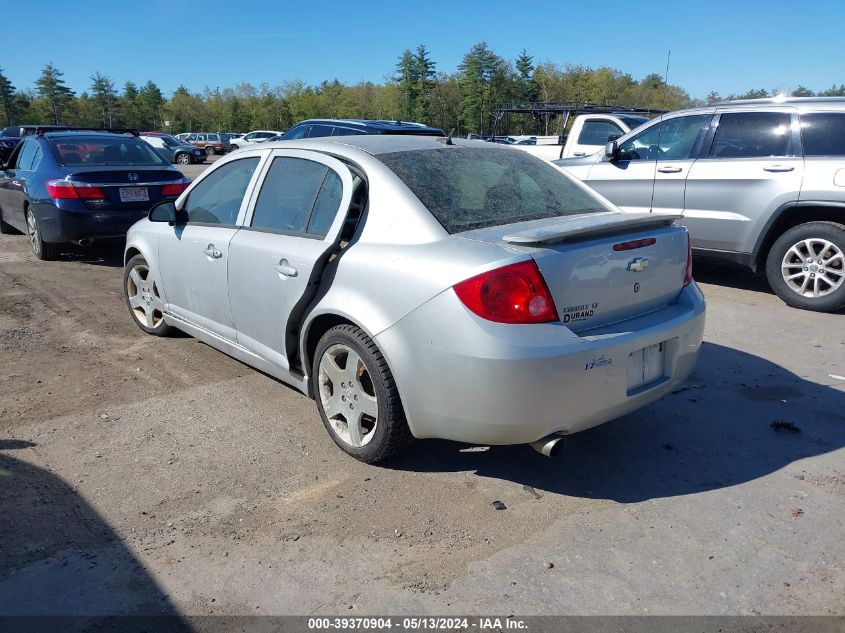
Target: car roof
[(84, 134), (374, 124), (376, 144)]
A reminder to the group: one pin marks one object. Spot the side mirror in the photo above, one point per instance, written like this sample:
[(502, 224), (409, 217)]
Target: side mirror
[(164, 212), (611, 150), (613, 137)]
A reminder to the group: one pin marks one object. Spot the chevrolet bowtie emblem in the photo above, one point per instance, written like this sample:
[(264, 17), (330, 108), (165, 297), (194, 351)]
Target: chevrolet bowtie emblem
[(638, 264)]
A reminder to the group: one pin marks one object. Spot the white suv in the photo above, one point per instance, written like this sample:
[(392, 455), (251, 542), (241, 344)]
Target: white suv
[(760, 182), (258, 136)]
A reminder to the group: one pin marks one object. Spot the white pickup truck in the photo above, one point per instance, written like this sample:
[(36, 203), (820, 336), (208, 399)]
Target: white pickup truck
[(588, 134)]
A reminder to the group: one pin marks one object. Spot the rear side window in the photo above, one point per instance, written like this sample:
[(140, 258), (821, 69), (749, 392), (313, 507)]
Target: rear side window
[(752, 135), (27, 155), (823, 133), (596, 132), (469, 188), (288, 195), (318, 131), (326, 206), (346, 131), (298, 132), (217, 198)]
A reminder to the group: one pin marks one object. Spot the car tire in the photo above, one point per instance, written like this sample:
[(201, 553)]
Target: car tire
[(183, 158), (381, 430), (209, 150), (232, 148), (141, 293), (45, 251), (806, 266)]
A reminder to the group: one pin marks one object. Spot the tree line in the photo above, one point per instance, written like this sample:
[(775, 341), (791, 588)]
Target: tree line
[(462, 101)]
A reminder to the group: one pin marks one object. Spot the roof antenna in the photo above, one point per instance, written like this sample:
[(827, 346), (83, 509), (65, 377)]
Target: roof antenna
[(448, 139)]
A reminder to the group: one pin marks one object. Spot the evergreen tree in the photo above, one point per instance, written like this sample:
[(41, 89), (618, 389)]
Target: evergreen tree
[(406, 78), (127, 106), (56, 95), (105, 98), (424, 75), (476, 71), (527, 89), (150, 102), (7, 99)]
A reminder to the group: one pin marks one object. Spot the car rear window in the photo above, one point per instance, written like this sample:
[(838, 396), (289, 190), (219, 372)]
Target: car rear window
[(470, 188), (98, 151), (823, 133)]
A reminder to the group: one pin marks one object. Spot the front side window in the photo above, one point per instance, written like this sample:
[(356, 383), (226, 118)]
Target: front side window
[(468, 188), (753, 135), (297, 197), (217, 198), (318, 131), (26, 156), (672, 139), (823, 133), (596, 132)]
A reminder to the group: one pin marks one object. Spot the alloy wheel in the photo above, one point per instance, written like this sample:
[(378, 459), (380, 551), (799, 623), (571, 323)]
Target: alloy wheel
[(347, 395), (144, 299), (814, 267), (34, 235)]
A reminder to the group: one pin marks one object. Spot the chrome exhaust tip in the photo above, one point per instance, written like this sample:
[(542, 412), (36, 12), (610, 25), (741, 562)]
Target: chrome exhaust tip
[(85, 242), (550, 446)]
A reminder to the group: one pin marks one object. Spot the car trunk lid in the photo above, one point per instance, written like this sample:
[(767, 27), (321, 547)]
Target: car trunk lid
[(601, 267)]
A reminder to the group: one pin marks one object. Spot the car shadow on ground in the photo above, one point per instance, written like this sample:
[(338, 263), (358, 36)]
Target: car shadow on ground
[(714, 431), (730, 274), (58, 557), (109, 254)]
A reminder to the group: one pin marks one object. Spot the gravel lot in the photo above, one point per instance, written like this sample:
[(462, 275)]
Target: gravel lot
[(157, 475)]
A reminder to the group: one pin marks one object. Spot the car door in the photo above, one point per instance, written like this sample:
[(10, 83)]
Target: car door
[(751, 167), (15, 193), (277, 258), (823, 141), (652, 165), (193, 257)]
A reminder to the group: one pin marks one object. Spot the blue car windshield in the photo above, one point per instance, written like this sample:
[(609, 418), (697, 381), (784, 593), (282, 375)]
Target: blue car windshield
[(92, 151)]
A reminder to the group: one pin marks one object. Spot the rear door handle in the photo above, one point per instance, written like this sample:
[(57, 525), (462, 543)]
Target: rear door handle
[(779, 168), (284, 268), (669, 170), (213, 252), (580, 154)]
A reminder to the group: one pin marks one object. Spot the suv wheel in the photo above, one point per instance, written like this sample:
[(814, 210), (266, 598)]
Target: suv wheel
[(183, 158), (806, 266), (209, 150), (357, 396)]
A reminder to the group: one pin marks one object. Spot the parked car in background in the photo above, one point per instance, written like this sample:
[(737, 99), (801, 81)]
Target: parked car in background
[(11, 135), (315, 128), (173, 149), (211, 143), (234, 135), (251, 138), (377, 270), (759, 182), (80, 186)]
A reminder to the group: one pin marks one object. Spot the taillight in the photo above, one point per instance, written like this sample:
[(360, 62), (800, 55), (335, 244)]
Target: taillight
[(65, 189), (175, 188), (512, 294), (688, 273)]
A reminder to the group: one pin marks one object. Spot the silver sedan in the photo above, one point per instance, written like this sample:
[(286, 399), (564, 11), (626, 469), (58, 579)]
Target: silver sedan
[(419, 287)]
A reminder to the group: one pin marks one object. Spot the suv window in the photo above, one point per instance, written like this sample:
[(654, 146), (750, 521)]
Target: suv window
[(596, 131), (346, 131), (753, 134), (672, 139), (298, 132), (317, 130), (217, 198), (823, 133), (469, 188), (290, 194), (25, 158)]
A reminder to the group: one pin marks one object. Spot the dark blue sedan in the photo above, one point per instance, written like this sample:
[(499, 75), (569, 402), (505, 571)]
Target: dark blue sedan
[(61, 187)]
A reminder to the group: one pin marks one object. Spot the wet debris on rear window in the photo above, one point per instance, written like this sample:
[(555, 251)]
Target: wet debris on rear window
[(530, 490), (498, 505), (782, 426)]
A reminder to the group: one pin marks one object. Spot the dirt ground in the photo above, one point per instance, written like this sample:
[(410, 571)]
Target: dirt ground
[(146, 475)]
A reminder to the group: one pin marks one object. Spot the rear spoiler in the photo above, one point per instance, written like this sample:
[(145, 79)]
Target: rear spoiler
[(588, 225)]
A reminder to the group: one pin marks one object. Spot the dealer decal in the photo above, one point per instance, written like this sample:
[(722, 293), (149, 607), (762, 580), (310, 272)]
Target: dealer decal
[(573, 314), (601, 361)]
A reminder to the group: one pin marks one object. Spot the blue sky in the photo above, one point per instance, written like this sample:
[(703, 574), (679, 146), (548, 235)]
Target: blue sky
[(716, 45)]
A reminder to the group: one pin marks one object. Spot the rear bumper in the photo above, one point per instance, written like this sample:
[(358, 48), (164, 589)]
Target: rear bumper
[(68, 225), (466, 379)]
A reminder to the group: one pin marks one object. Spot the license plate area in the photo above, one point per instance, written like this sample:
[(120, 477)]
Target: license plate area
[(646, 367), (134, 194)]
